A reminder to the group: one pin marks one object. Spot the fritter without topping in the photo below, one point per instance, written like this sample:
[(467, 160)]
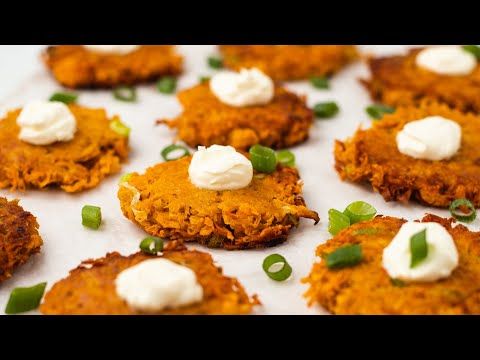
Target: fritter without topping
[(90, 288), (205, 120), (372, 156), (19, 238), (289, 62), (77, 67), (165, 203), (95, 152), (367, 289), (397, 80)]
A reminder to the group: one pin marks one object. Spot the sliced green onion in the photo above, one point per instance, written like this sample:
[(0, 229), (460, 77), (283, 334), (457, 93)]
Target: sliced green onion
[(286, 158), (65, 97), (125, 93), (359, 211), (151, 245), (91, 216), (474, 49), (337, 221), (320, 82), (125, 178), (418, 247), (167, 85), (377, 111), (120, 128), (24, 299), (397, 282), (274, 260), (204, 79), (326, 109), (182, 150), (263, 158), (457, 208), (215, 62), (345, 256)]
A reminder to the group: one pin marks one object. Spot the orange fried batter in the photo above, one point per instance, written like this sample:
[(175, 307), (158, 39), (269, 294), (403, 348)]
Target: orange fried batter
[(171, 207), (19, 238), (289, 62), (76, 165), (90, 288), (397, 80), (367, 289), (372, 156), (206, 121), (77, 67)]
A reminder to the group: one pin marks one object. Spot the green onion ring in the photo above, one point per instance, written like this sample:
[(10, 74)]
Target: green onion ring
[(280, 275), (360, 211), (263, 159), (120, 128), (337, 221), (345, 256), (319, 82), (473, 49), (151, 245), (24, 299), (91, 216), (377, 111), (125, 178), (125, 93), (171, 148), (286, 158), (65, 97), (418, 248), (215, 62), (167, 85), (460, 216)]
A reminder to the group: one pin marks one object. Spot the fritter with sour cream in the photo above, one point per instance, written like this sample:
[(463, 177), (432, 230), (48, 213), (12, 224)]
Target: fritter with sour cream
[(372, 156), (366, 287), (165, 203), (75, 66), (289, 62), (90, 288)]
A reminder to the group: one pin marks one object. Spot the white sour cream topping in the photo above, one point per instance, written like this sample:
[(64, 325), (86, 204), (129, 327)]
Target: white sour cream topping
[(157, 284), (45, 122), (432, 138), (441, 260), (220, 168), (447, 60), (245, 88), (112, 49)]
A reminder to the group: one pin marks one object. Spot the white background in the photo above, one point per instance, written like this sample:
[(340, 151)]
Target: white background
[(66, 243)]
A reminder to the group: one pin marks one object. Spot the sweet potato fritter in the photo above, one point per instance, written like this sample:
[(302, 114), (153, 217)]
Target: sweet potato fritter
[(90, 288), (76, 67), (367, 289), (372, 156), (76, 165), (171, 207), (206, 121), (397, 80), (289, 62), (19, 238)]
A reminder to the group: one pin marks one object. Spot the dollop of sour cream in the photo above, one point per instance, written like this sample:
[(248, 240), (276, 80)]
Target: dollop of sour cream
[(245, 88), (112, 49), (441, 260), (157, 284), (46, 122), (432, 138), (446, 60), (220, 168)]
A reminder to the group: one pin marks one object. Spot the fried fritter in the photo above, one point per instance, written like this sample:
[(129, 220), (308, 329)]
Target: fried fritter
[(397, 80), (76, 67), (289, 62), (95, 152), (90, 288), (367, 289), (171, 207), (206, 121), (19, 238), (372, 156)]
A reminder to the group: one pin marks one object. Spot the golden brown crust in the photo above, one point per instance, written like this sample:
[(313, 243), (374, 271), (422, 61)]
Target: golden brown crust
[(397, 81), (206, 121), (19, 238), (289, 62), (367, 289), (259, 215), (372, 156), (95, 152), (76, 67), (90, 288)]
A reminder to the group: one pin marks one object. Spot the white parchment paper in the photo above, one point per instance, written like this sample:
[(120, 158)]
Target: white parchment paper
[(67, 242)]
